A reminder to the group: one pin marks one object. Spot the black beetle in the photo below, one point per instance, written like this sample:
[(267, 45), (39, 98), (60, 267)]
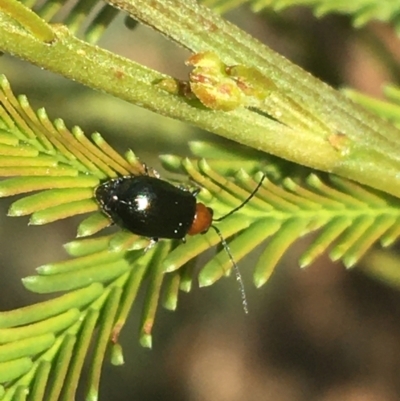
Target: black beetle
[(154, 208)]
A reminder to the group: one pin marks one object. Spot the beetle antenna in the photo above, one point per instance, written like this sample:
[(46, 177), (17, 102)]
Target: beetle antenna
[(236, 269), (244, 202), (228, 250)]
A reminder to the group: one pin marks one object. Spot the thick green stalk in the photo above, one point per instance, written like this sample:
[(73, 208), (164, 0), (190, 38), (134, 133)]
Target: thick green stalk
[(340, 137)]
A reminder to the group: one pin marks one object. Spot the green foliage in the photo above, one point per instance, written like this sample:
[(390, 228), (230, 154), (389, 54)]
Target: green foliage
[(43, 346), (238, 88), (287, 119)]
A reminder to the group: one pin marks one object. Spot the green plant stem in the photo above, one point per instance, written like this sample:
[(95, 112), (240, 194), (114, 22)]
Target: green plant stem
[(355, 144)]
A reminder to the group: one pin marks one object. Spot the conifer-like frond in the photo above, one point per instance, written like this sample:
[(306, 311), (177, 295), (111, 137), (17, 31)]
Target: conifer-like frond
[(43, 346), (347, 218)]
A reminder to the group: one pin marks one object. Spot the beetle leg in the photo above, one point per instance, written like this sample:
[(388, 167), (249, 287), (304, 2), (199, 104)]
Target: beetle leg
[(150, 171), (189, 188), (152, 242)]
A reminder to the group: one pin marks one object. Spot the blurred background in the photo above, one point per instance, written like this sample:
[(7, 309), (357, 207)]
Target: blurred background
[(322, 333)]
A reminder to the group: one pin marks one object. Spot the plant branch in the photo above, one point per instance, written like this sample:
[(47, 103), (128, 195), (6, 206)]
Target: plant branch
[(341, 137)]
